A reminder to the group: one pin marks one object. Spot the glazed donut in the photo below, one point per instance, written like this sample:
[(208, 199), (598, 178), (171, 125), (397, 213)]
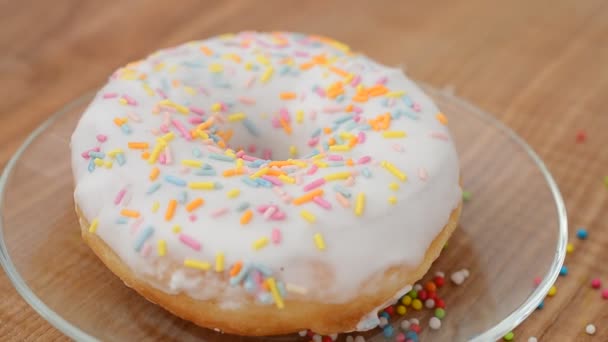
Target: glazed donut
[(265, 183)]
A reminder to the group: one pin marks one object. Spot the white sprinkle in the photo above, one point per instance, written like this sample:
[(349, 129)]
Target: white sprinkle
[(405, 325), (429, 303), (465, 272), (434, 323), (333, 337), (440, 274), (417, 287), (317, 338), (302, 333), (457, 278), (590, 329), (532, 339), (414, 321)]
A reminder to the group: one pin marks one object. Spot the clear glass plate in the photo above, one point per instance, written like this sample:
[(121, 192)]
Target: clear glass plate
[(512, 230)]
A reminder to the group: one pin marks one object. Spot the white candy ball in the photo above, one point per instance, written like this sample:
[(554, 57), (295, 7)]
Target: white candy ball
[(333, 337), (418, 287), (532, 339), (590, 329), (414, 321), (359, 339), (405, 325), (457, 278), (434, 323), (302, 333), (429, 303), (350, 338), (383, 322), (317, 338)]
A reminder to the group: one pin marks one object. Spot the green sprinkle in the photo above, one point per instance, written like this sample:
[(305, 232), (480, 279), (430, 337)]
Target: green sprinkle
[(440, 313), (509, 336), (466, 195)]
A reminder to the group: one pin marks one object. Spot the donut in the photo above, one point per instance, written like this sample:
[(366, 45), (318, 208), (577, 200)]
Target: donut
[(265, 183)]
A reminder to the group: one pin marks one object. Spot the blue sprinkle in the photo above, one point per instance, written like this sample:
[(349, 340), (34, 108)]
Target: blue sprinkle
[(396, 114), (196, 152), (192, 64), (366, 172), (175, 180), (257, 163), (281, 288), (182, 198), (342, 120), (214, 137), (126, 129), (99, 155), (344, 191), (263, 182), (143, 236), (563, 271), (408, 102), (250, 285), (203, 172), (316, 133), (242, 207), (325, 146), (265, 270), (221, 157), (250, 182), (340, 98), (207, 167), (120, 158), (365, 127), (541, 305), (91, 166), (152, 189), (241, 275), (582, 234), (213, 129), (253, 130), (349, 125), (388, 331), (335, 163), (265, 298), (284, 70), (122, 220)]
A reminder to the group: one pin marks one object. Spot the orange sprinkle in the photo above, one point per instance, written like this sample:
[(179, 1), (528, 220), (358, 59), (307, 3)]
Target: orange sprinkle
[(307, 197), (442, 118), (349, 108), (350, 162), (129, 213), (331, 141), (327, 130), (170, 210), (154, 173), (265, 286), (145, 155), (228, 134), (319, 59), (236, 268), (307, 65), (288, 95), (197, 202), (193, 134), (221, 144), (138, 145), (353, 141), (175, 83), (285, 125), (206, 50), (338, 71), (233, 172), (205, 125), (280, 163), (246, 216), (275, 172), (119, 121), (333, 93), (377, 90), (361, 96)]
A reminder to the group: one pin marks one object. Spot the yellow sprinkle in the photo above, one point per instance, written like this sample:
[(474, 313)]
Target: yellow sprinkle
[(319, 242), (122, 100), (189, 90), (159, 66), (260, 243), (236, 117), (215, 67), (148, 89), (299, 116), (394, 170), (167, 137), (394, 186), (337, 176), (570, 248), (320, 163), (177, 106), (230, 153), (262, 59), (172, 69), (240, 163), (233, 193), (197, 264), (201, 185), (346, 135), (392, 200), (293, 151), (93, 226), (161, 246), (442, 118), (192, 162), (398, 93), (259, 173), (318, 156), (219, 262), (298, 163), (267, 75), (287, 179), (108, 164), (360, 204), (248, 66), (394, 134), (156, 152), (98, 162), (216, 107), (272, 285), (176, 229), (339, 148), (308, 216), (348, 78), (114, 152), (155, 206)]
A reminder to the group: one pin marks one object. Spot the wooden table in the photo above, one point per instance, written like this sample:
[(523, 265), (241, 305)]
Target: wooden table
[(540, 66)]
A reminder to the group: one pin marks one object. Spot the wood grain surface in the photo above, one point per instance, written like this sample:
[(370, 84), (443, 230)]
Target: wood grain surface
[(539, 66)]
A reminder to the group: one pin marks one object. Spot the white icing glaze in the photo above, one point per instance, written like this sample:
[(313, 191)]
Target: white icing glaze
[(356, 246)]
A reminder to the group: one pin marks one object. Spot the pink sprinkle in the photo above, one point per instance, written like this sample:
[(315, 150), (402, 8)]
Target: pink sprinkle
[(284, 114), (272, 179), (313, 169), (119, 196), (247, 100), (313, 141), (322, 202), (596, 283), (537, 281), (250, 82), (162, 158), (240, 154), (275, 236), (146, 250), (257, 277), (605, 293), (135, 226), (361, 137), (134, 117), (248, 158), (278, 216), (350, 181), (190, 242), (356, 80), (223, 106), (109, 95), (161, 93), (364, 160), (286, 199), (262, 208), (269, 212), (275, 123), (313, 115), (301, 53), (195, 120), (320, 91), (219, 212), (197, 110), (314, 184), (357, 110), (184, 170), (131, 101), (164, 128), (203, 91), (278, 190), (416, 107), (422, 174), (168, 158), (192, 218), (267, 154), (102, 138), (183, 132), (334, 157), (85, 154), (213, 148), (342, 200), (439, 135), (332, 109), (252, 148), (382, 80)]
